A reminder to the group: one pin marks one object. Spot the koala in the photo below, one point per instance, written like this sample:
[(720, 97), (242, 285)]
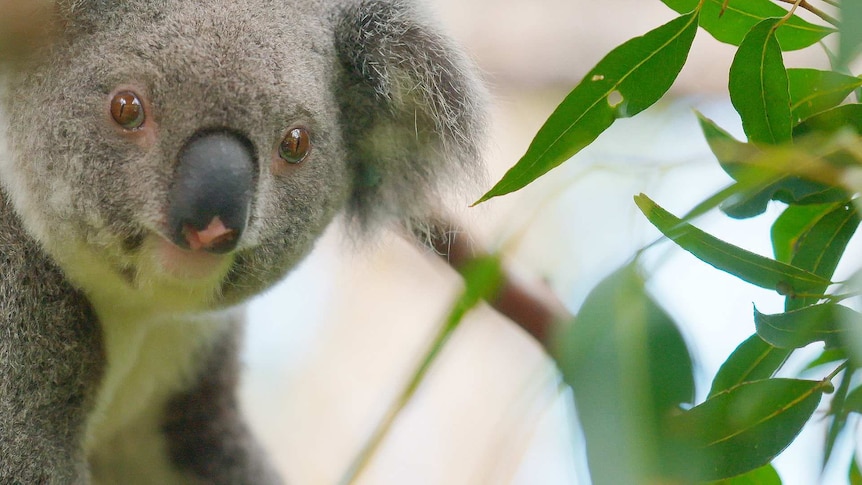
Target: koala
[(161, 162)]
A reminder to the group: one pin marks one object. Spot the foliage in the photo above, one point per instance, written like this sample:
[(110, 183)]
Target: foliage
[(624, 356)]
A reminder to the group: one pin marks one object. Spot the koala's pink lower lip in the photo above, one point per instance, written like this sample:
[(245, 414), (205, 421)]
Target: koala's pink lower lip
[(185, 264)]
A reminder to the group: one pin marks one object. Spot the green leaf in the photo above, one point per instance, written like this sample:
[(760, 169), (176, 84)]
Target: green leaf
[(798, 328), (814, 238), (827, 357), (838, 415), (813, 91), (753, 268), (758, 183), (731, 24), (745, 427), (853, 402), (821, 246), (854, 475), (832, 120), (629, 368), (762, 476), (791, 225), (759, 87), (850, 38), (628, 80), (753, 360)]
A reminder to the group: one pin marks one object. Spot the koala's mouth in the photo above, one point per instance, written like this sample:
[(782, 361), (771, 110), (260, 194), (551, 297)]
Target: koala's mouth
[(188, 264), (151, 258)]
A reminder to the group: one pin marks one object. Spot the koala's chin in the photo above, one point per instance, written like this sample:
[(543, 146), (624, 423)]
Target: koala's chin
[(155, 277)]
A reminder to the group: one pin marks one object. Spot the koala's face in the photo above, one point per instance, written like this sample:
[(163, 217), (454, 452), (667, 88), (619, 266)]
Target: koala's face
[(191, 150)]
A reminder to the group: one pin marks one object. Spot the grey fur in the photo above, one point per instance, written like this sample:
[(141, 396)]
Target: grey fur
[(395, 115)]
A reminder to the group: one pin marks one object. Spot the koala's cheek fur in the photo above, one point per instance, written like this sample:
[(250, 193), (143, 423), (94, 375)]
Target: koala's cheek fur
[(98, 201), (394, 120)]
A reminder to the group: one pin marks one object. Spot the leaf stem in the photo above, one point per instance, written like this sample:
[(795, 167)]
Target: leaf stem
[(837, 370), (816, 11), (842, 297)]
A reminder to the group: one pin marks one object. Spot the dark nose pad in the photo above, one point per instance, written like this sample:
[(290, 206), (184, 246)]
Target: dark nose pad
[(212, 191)]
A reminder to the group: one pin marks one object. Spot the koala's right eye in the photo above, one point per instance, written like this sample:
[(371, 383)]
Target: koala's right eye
[(127, 110)]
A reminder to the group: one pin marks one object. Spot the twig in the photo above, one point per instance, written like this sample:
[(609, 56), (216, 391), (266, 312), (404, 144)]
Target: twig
[(531, 305), (816, 11)]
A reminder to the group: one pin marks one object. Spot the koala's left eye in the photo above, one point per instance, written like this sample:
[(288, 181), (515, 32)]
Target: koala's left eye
[(295, 145), (127, 110)]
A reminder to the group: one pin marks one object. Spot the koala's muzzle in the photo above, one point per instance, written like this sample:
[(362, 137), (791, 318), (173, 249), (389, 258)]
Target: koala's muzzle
[(212, 191)]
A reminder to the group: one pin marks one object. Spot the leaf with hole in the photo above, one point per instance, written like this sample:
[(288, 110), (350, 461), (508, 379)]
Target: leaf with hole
[(745, 427), (813, 91), (745, 265), (629, 368), (798, 328), (729, 23), (758, 86), (753, 360), (631, 78)]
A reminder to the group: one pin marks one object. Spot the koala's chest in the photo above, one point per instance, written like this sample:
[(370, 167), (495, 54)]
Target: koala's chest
[(147, 362)]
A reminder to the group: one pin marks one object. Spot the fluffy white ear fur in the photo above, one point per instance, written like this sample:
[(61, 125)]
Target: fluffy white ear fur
[(414, 114)]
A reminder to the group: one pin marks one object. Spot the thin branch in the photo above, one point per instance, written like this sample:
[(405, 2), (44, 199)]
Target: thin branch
[(816, 11), (838, 370)]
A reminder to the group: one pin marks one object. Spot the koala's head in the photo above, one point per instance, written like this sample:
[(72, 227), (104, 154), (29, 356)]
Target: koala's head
[(202, 147)]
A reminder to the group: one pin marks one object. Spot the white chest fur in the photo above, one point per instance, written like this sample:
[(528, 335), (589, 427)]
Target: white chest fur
[(148, 361)]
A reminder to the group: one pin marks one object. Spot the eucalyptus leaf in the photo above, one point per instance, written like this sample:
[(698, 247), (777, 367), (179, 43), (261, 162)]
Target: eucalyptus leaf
[(730, 24), (753, 360), (792, 224), (762, 476), (854, 476), (813, 91), (832, 120), (745, 427), (631, 78), (837, 415), (630, 369), (798, 328), (827, 357), (853, 402), (759, 88), (760, 183), (821, 246), (753, 268)]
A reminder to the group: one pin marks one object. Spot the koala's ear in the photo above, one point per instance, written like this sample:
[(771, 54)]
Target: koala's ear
[(412, 113)]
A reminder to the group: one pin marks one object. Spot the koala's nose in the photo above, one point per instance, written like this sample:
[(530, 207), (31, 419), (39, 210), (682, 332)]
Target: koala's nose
[(212, 190)]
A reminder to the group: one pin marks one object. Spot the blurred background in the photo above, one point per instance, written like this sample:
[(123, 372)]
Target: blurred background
[(329, 350)]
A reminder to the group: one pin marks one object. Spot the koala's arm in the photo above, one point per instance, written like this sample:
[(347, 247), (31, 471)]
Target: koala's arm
[(204, 430), (50, 363)]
